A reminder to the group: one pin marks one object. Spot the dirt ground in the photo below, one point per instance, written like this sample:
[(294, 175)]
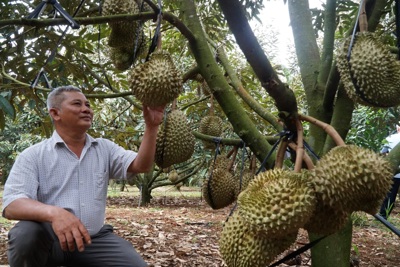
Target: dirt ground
[(180, 229)]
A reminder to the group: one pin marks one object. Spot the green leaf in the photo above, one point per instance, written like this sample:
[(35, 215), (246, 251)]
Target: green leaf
[(7, 107)]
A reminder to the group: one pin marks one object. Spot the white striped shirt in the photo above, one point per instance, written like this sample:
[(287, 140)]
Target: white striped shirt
[(52, 174)]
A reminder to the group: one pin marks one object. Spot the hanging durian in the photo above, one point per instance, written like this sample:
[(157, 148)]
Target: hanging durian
[(352, 178), (278, 201), (156, 82), (219, 188), (244, 245), (175, 140), (211, 125), (123, 33), (372, 76)]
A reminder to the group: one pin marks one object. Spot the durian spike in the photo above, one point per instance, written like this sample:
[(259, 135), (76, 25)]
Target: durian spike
[(326, 127), (300, 146), (306, 158), (280, 155), (362, 20)]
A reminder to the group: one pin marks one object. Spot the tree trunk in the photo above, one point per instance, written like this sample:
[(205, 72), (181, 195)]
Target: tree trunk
[(334, 250)]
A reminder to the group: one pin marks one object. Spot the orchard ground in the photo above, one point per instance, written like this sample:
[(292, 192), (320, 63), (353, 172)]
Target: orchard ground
[(178, 228)]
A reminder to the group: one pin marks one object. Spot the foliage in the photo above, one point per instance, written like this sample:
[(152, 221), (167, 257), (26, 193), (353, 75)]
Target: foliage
[(370, 126)]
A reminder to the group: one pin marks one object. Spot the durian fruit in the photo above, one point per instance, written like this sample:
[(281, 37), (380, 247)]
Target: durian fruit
[(123, 33), (278, 201), (352, 178), (326, 220), (211, 125), (173, 176), (156, 82), (175, 140), (375, 71), (244, 245), (219, 189)]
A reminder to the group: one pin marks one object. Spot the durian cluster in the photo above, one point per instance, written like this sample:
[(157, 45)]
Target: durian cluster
[(156, 82), (125, 36), (211, 125), (278, 202), (222, 187), (372, 76), (175, 140)]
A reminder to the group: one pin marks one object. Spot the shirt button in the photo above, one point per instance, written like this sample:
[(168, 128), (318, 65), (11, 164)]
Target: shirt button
[(83, 204)]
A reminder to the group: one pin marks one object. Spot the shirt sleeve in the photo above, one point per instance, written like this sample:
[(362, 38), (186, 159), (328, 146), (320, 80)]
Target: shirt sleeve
[(22, 181), (120, 159)]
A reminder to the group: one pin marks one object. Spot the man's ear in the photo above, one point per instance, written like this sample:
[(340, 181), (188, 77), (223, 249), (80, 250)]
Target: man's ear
[(54, 113)]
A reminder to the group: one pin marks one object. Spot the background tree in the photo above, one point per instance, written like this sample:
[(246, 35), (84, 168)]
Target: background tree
[(251, 96)]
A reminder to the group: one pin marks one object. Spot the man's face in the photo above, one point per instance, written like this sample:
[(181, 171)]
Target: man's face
[(74, 111)]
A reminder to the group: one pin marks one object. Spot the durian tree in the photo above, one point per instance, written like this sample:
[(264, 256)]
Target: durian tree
[(199, 36)]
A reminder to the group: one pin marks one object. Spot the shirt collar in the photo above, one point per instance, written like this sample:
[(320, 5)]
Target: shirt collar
[(56, 139)]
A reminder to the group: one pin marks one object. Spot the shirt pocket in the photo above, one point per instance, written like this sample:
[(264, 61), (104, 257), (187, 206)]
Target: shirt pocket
[(101, 183)]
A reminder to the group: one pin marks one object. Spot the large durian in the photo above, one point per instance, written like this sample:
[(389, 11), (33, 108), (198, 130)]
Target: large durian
[(156, 82), (175, 140), (211, 125), (244, 245), (372, 76), (219, 188), (352, 178), (278, 201)]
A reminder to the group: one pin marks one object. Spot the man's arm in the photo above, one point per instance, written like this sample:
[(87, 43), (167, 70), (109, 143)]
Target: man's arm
[(143, 162), (68, 228)]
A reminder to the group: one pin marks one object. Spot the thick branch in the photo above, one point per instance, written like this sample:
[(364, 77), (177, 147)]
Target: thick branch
[(100, 20)]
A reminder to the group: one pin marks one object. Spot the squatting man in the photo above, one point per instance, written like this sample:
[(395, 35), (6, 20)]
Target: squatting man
[(57, 190)]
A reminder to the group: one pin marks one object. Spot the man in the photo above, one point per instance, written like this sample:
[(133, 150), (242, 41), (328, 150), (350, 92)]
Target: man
[(57, 189)]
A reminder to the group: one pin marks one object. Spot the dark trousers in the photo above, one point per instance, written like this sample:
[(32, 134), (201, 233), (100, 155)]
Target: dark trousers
[(388, 203), (33, 244)]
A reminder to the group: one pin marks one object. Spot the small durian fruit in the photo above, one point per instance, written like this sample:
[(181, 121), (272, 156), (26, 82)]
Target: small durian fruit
[(352, 178), (173, 176), (205, 88), (375, 72), (175, 140), (211, 125), (123, 33), (244, 245), (326, 220), (156, 82), (278, 201), (219, 189)]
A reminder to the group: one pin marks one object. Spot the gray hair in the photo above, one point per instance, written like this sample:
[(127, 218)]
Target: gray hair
[(56, 96)]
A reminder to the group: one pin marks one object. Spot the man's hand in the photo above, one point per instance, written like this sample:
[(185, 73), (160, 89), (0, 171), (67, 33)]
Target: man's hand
[(69, 230), (153, 116)]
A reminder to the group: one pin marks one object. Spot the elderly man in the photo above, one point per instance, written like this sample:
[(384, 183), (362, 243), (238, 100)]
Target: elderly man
[(57, 190)]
